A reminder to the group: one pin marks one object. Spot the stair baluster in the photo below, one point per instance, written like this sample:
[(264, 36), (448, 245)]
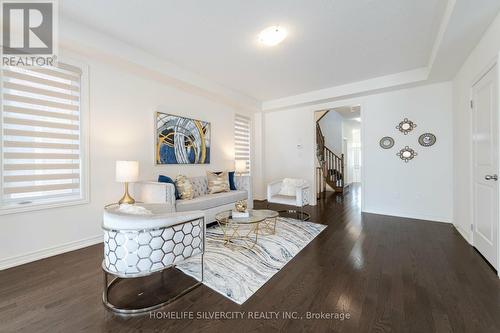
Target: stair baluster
[(331, 166)]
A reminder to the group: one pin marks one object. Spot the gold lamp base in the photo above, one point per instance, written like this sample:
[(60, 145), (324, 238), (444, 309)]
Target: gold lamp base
[(126, 199)]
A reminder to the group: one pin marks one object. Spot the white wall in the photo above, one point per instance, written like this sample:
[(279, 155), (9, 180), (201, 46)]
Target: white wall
[(259, 189), (476, 64), (122, 107), (331, 126), (290, 146), (421, 188)]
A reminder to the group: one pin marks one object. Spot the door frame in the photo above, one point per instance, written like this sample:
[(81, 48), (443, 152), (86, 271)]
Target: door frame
[(331, 105), (491, 65)]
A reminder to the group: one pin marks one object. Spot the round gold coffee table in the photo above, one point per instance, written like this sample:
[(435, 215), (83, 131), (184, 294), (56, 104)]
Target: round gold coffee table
[(260, 222)]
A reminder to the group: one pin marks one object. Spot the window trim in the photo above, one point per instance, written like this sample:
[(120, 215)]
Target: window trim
[(84, 142)]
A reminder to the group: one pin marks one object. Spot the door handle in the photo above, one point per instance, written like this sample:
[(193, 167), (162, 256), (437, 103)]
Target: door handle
[(491, 177)]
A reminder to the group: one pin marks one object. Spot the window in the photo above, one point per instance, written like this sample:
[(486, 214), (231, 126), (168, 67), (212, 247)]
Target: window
[(242, 140), (41, 141)]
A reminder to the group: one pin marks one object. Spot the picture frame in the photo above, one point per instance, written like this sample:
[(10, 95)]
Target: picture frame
[(181, 140)]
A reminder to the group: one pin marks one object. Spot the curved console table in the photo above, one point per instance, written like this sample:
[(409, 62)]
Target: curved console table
[(139, 244)]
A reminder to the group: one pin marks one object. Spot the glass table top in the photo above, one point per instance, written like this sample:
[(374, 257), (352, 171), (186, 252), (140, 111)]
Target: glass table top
[(256, 216)]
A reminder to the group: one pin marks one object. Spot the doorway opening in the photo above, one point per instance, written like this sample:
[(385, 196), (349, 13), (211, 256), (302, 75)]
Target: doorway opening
[(338, 149)]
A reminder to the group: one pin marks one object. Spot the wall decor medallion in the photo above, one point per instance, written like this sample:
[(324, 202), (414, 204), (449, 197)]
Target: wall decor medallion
[(407, 154), (386, 142), (406, 126), (427, 139), (181, 140)]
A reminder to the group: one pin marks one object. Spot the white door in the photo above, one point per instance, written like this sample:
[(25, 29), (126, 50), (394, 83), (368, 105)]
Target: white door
[(485, 165)]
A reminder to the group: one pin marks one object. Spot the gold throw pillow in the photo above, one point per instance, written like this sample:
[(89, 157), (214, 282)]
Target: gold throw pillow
[(184, 186), (218, 182)]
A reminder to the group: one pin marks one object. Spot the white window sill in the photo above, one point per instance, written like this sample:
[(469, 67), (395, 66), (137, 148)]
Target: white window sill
[(16, 208)]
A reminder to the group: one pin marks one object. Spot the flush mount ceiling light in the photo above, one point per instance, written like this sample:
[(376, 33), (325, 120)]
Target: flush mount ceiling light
[(273, 35)]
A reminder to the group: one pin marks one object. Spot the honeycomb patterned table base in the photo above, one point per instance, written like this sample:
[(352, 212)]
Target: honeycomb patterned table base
[(138, 253)]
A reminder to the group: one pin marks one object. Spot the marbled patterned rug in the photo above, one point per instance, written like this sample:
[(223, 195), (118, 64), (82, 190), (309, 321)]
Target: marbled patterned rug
[(237, 271)]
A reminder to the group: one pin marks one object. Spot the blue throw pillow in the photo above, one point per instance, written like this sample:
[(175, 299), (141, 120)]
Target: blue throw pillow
[(165, 179), (232, 185)]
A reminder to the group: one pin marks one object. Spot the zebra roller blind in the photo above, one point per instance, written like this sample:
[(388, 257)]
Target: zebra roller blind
[(41, 135), (242, 129)]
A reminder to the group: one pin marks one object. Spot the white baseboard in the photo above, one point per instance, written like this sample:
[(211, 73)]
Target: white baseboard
[(412, 216), (49, 252)]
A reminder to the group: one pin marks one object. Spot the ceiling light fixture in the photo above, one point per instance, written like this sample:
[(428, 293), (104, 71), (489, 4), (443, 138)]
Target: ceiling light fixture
[(273, 35)]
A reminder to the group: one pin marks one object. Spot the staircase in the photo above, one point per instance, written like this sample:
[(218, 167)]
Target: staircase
[(331, 166)]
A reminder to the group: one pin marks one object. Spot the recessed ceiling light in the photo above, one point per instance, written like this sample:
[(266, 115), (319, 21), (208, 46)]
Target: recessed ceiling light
[(273, 35)]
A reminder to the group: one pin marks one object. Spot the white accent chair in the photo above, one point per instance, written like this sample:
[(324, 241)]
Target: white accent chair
[(280, 192), (137, 245)]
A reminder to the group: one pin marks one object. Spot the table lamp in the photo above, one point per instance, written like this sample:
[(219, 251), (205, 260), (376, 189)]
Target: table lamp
[(126, 172), (240, 166)]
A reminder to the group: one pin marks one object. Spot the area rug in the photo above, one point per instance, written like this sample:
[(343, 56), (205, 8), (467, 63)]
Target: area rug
[(237, 271)]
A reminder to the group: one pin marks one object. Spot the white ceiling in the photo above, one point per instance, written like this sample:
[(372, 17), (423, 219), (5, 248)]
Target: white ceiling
[(330, 42)]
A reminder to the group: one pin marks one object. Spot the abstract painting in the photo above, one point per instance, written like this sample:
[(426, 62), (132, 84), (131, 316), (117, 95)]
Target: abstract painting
[(181, 140)]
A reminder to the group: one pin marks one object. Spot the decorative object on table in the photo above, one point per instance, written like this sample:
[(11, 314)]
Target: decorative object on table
[(406, 126), (237, 272), (240, 209), (136, 247), (184, 186), (427, 139), (218, 182), (127, 172), (292, 192), (407, 154), (240, 166), (241, 206), (386, 142), (181, 140)]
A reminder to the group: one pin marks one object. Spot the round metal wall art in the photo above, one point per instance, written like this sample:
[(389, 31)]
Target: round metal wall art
[(386, 142), (427, 139), (407, 154), (406, 126)]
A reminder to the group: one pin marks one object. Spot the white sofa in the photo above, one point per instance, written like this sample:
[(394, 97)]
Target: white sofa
[(210, 204)]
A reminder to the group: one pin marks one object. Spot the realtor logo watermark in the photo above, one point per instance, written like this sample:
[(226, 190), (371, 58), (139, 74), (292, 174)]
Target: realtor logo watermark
[(29, 32)]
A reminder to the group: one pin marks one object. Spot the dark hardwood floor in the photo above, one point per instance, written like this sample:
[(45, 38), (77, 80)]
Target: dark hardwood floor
[(389, 274)]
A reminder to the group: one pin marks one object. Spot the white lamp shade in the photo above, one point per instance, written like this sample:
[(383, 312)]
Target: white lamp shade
[(240, 166), (127, 171)]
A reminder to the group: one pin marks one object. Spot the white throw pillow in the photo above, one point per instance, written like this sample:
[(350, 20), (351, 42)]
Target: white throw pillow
[(289, 186)]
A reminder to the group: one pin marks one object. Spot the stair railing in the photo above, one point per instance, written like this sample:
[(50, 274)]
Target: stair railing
[(331, 166), (334, 165)]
